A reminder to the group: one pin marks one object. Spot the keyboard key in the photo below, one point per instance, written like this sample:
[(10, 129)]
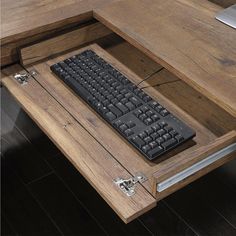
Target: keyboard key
[(114, 110), (130, 124), (123, 108), (160, 140), (110, 116), (154, 136), (138, 141), (179, 138), (130, 105), (147, 139), (157, 150), (146, 148), (148, 121), (168, 128), (169, 143), (135, 101), (155, 117), (142, 135), (144, 109), (153, 104), (166, 136), (149, 131), (149, 113), (163, 124), (153, 144), (161, 132), (118, 123), (142, 117), (164, 112), (123, 127), (128, 132), (173, 133), (138, 113), (156, 127)]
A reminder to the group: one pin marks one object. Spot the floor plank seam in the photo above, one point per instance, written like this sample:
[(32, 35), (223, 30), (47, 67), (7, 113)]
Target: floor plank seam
[(74, 195), (212, 207), (40, 178), (182, 219), (45, 211)]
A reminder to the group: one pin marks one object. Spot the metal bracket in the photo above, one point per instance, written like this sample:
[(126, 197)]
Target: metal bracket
[(128, 185), (23, 78)]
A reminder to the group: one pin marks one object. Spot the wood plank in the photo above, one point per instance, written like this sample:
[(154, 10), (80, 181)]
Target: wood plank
[(194, 46), (10, 54), (22, 210), (196, 212), (61, 43), (218, 195), (25, 19), (21, 154), (63, 207), (128, 156), (87, 155)]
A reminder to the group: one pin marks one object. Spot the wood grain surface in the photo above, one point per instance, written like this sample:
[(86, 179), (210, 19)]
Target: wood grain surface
[(96, 164), (185, 38), (128, 156), (22, 19), (61, 43), (28, 21)]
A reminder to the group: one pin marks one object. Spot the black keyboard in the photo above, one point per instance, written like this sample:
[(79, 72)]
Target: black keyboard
[(145, 123)]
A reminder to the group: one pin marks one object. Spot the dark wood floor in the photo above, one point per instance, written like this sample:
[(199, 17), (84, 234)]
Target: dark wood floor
[(43, 194)]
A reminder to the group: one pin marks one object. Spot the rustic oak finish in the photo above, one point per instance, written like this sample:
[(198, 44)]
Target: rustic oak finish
[(23, 19), (61, 43), (130, 158), (89, 130), (28, 21), (94, 162), (185, 38)]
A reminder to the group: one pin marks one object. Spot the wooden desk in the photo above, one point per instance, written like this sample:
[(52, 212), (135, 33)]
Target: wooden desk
[(185, 38), (27, 21), (99, 153)]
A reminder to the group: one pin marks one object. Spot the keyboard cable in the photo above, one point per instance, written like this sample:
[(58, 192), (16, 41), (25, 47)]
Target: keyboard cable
[(157, 85), (147, 77)]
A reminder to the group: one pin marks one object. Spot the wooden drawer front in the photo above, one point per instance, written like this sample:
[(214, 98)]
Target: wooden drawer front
[(95, 148)]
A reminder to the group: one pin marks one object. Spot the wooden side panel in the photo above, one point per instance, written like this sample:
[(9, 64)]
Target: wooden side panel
[(97, 165), (61, 43)]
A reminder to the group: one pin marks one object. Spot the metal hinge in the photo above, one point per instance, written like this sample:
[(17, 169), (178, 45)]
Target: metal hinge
[(23, 78), (128, 185)]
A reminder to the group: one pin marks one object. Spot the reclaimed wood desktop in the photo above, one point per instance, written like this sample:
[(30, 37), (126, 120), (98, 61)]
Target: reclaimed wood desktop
[(28, 21), (185, 38), (188, 49)]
